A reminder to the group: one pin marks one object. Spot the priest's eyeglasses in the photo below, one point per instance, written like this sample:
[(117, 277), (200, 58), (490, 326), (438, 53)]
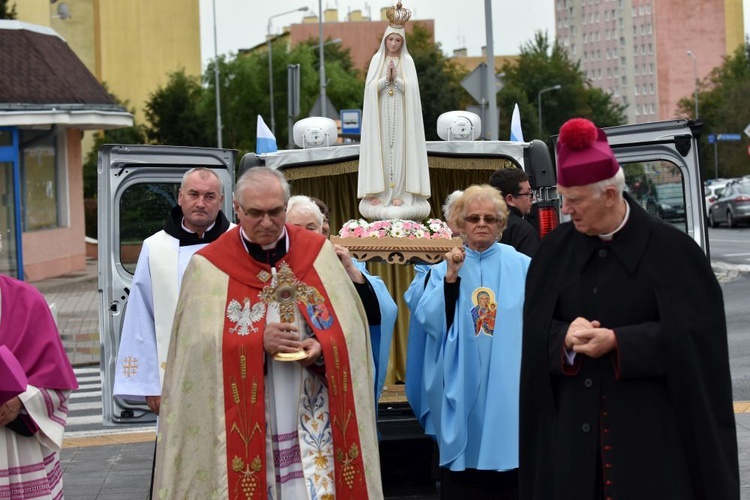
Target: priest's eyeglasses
[(274, 213), (488, 219)]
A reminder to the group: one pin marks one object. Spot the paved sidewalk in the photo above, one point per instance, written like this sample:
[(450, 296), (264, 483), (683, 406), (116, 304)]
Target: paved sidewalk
[(74, 300)]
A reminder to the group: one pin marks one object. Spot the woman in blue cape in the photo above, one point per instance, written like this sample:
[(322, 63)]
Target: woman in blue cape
[(470, 316)]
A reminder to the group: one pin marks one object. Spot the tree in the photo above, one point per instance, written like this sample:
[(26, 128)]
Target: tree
[(721, 97), (439, 79), (345, 84), (176, 113), (540, 65), (7, 12)]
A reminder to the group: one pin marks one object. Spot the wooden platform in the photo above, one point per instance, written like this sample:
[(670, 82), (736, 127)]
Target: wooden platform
[(398, 250)]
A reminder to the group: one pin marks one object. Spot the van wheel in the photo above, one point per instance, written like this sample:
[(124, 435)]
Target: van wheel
[(711, 221), (730, 220)]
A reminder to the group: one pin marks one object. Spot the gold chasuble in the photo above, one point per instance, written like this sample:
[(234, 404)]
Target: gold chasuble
[(221, 400)]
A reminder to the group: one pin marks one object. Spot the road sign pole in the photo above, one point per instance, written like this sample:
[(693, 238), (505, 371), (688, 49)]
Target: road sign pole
[(716, 160)]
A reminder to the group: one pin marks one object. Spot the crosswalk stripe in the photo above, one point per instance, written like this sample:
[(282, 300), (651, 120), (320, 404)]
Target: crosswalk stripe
[(78, 395), (84, 420)]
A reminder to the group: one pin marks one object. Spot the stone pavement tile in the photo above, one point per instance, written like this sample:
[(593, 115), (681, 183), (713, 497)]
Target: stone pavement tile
[(108, 472)]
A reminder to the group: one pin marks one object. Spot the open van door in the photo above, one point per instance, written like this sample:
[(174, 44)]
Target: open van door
[(138, 186), (662, 172)]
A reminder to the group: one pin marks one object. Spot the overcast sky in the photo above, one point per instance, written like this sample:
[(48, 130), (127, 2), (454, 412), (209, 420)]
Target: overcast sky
[(244, 23)]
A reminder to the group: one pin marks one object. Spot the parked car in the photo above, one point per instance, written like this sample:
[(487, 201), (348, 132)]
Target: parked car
[(733, 205), (713, 192), (668, 202)]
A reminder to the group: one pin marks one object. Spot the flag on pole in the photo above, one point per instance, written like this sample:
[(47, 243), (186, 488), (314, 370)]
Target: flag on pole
[(516, 134), (265, 142)]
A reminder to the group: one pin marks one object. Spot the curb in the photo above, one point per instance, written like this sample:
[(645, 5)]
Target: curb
[(725, 271)]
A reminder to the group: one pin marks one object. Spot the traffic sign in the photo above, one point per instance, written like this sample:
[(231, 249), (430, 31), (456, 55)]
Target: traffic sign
[(475, 83), (351, 121), (747, 130), (728, 137), (711, 138)]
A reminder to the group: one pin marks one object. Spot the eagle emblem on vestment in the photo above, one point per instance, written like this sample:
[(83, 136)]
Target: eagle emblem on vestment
[(244, 315)]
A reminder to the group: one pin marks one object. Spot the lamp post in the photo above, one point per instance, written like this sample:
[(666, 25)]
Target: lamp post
[(323, 98), (539, 102), (695, 77), (216, 83), (270, 64)]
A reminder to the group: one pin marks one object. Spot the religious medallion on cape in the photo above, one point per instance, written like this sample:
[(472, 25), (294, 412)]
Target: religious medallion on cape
[(285, 292), (484, 311)]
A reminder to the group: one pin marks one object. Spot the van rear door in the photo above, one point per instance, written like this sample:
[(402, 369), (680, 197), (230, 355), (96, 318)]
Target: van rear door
[(138, 186), (662, 171)]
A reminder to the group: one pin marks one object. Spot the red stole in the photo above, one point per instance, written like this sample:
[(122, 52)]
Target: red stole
[(243, 362)]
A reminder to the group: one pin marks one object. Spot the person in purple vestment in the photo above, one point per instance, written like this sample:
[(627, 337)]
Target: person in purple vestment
[(32, 421)]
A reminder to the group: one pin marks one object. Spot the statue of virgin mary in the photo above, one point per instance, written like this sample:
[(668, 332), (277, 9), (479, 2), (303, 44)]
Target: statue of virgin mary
[(393, 181)]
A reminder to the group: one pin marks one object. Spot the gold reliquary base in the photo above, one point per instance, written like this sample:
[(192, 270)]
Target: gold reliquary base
[(290, 356), (398, 250)]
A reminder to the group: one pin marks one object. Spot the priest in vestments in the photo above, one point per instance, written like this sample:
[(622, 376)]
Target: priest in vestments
[(36, 381), (193, 223), (238, 423)]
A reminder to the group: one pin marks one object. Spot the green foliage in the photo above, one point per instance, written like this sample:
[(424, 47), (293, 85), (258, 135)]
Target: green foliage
[(439, 79), (542, 64), (176, 113), (721, 105), (7, 12)]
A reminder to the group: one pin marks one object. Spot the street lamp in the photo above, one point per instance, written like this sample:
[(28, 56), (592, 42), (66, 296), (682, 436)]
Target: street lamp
[(695, 76), (539, 102), (323, 98), (270, 63), (216, 83)]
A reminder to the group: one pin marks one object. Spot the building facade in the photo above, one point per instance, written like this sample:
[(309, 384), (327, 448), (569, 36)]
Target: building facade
[(131, 46), (357, 32), (649, 54), (48, 98)]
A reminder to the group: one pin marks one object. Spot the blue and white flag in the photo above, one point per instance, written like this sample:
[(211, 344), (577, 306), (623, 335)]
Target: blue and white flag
[(265, 142), (516, 134)]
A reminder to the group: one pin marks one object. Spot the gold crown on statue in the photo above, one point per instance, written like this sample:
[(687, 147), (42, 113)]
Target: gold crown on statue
[(398, 16)]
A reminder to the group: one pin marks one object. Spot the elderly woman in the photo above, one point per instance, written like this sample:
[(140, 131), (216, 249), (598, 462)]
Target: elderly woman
[(379, 305), (470, 315), (413, 387)]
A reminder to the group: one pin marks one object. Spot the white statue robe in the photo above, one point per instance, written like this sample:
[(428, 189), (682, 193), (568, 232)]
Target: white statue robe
[(393, 154)]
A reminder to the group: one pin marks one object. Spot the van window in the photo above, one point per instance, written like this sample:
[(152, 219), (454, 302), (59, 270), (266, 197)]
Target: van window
[(143, 208), (659, 188)]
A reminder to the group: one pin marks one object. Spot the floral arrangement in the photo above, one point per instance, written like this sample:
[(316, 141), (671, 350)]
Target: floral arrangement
[(396, 228)]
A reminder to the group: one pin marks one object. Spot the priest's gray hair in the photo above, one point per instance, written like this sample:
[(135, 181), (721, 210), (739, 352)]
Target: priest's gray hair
[(617, 181), (304, 205), (256, 175), (202, 169)]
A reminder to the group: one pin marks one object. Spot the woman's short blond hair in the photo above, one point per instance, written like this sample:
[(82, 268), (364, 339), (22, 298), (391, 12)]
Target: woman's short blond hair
[(481, 192)]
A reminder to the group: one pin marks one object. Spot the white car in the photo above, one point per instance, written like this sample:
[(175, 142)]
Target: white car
[(713, 192)]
